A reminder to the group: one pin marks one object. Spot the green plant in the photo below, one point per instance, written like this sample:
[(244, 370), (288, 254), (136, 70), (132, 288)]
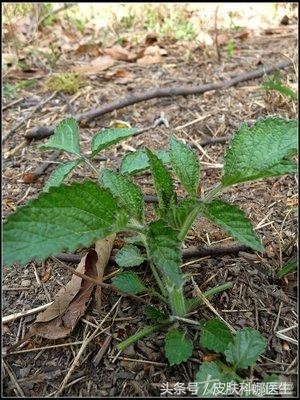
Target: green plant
[(66, 217), (11, 90), (274, 83), (230, 48), (68, 83), (238, 352)]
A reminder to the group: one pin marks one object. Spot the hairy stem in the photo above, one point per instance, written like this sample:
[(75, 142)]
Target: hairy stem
[(196, 301), (142, 333), (213, 193)]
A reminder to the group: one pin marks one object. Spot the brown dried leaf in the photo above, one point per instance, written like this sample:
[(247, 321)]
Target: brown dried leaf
[(92, 49), (103, 249), (97, 65), (60, 318), (148, 60), (119, 53)]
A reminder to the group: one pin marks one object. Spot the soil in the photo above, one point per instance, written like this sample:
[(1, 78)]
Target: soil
[(257, 299)]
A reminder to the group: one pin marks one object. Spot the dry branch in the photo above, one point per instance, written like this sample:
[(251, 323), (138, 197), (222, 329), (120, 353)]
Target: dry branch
[(45, 131)]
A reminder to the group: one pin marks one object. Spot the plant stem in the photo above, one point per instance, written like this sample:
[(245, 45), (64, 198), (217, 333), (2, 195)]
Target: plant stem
[(87, 161), (188, 223), (142, 333), (176, 299), (154, 293), (212, 193), (157, 277), (209, 293)]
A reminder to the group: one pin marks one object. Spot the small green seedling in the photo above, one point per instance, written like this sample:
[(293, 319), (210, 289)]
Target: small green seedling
[(66, 217), (230, 48), (237, 353), (274, 83)]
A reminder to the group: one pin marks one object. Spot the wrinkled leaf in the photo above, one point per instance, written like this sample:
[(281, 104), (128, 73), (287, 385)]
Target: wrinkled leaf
[(65, 218), (129, 195), (260, 151), (208, 378), (185, 164), (154, 314), (59, 174), (65, 137), (178, 347), (129, 282), (215, 336), (137, 161), (164, 250), (234, 221), (129, 256), (247, 346), (108, 137), (162, 181)]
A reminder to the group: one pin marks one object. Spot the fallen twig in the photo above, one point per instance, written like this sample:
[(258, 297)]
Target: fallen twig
[(191, 252), (45, 131)]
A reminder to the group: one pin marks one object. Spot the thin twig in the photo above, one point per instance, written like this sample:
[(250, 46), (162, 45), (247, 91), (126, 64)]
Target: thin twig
[(45, 131)]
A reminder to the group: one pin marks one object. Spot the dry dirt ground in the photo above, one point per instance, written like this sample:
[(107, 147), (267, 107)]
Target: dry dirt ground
[(257, 299)]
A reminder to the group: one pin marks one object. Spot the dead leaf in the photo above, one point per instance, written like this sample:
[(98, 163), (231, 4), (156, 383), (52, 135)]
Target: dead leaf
[(155, 51), (103, 249), (9, 58), (70, 303), (150, 38), (120, 76), (119, 53), (92, 49), (97, 65), (149, 60)]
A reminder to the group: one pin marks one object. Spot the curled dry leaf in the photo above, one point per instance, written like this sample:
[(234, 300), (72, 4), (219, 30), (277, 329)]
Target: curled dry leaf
[(70, 303), (103, 249)]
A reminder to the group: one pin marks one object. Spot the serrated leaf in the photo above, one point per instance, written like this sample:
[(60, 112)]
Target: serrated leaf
[(259, 152), (65, 137), (129, 195), (208, 378), (164, 250), (129, 282), (247, 346), (274, 83), (133, 163), (108, 137), (154, 314), (185, 164), (234, 221), (178, 347), (215, 336), (129, 256), (162, 181), (59, 174), (65, 218)]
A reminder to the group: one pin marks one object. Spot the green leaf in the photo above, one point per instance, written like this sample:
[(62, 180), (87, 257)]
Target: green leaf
[(65, 218), (259, 152), (247, 346), (274, 83), (185, 164), (108, 137), (154, 314), (208, 377), (162, 181), (59, 174), (65, 137), (178, 347), (287, 268), (129, 282), (133, 163), (129, 195), (129, 256), (215, 336), (164, 250), (234, 221)]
